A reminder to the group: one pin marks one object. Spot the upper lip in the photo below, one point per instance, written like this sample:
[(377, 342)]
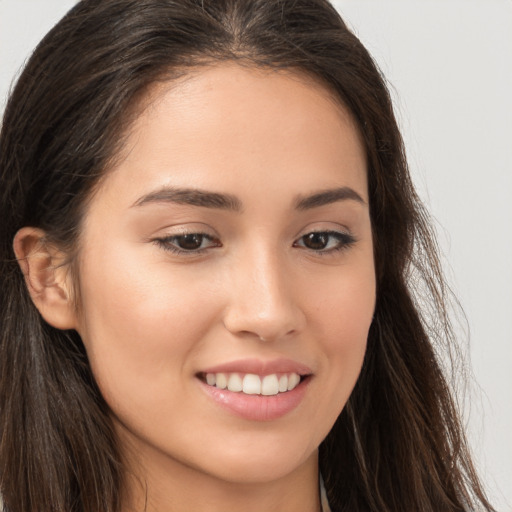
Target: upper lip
[(261, 367)]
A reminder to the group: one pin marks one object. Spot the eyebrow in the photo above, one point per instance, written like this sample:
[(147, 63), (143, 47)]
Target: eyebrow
[(206, 199), (192, 197), (326, 197)]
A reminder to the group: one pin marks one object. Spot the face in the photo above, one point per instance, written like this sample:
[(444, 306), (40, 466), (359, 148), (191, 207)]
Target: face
[(230, 246)]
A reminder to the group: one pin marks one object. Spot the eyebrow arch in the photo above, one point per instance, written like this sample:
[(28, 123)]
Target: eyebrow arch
[(206, 199), (326, 197), (192, 197)]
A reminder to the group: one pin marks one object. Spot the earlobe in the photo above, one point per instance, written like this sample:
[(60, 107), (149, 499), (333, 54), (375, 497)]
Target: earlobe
[(46, 276)]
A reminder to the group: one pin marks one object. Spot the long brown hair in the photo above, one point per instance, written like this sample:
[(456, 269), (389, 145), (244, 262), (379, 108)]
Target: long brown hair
[(398, 444)]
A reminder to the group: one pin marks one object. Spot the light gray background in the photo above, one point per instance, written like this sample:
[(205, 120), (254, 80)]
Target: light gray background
[(449, 63)]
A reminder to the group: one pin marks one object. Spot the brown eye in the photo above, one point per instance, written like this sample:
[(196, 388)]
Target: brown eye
[(191, 242), (316, 241), (325, 241)]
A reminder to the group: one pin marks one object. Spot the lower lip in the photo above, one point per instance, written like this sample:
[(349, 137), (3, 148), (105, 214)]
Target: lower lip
[(258, 407)]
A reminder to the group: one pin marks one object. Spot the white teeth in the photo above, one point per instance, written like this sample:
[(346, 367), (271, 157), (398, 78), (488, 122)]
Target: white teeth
[(252, 384), (221, 381), (270, 385), (235, 382), (283, 383), (293, 380)]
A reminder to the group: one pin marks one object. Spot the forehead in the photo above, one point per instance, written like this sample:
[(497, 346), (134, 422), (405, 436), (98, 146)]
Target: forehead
[(230, 121)]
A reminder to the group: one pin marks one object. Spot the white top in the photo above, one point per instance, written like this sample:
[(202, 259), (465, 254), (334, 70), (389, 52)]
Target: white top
[(323, 497)]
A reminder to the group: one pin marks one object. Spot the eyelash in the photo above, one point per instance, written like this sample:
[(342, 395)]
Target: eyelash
[(168, 243)]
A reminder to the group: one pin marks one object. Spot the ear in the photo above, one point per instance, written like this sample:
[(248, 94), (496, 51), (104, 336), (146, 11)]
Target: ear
[(47, 277)]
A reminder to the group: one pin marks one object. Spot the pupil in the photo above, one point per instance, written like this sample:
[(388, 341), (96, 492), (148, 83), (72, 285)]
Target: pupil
[(190, 242), (316, 240)]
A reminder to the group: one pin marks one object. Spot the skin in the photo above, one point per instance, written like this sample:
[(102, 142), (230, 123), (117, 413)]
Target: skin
[(152, 319)]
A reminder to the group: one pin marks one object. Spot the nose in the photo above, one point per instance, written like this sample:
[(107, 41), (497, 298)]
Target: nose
[(263, 300)]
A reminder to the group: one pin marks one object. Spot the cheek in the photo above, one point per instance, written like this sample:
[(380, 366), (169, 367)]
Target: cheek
[(344, 306), (343, 315), (141, 324)]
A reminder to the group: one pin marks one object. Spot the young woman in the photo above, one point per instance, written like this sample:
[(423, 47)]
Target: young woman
[(209, 244)]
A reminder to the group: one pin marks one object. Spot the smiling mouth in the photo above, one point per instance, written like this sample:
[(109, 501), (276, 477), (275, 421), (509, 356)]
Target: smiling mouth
[(253, 384)]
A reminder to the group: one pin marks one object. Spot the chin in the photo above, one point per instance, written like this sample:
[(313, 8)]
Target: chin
[(255, 463)]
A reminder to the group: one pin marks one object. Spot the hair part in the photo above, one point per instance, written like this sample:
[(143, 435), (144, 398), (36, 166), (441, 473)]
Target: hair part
[(398, 444)]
